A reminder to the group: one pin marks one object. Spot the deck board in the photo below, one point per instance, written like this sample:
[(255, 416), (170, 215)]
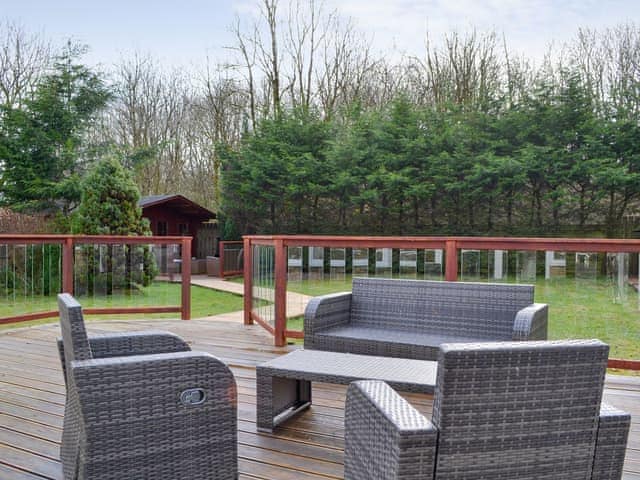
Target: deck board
[(309, 447)]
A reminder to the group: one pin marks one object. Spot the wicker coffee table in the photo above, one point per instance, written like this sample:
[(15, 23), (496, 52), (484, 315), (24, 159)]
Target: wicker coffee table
[(284, 383)]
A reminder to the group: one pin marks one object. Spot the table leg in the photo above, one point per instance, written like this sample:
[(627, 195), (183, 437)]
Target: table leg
[(279, 399)]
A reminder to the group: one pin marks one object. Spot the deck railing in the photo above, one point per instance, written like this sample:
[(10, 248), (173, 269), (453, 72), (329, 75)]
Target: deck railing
[(311, 263), (231, 258), (33, 268)]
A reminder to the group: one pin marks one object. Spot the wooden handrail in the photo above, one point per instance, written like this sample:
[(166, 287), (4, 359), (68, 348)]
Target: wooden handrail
[(91, 239), (481, 243)]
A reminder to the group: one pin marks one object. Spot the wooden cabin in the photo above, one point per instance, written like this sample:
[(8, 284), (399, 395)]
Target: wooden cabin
[(177, 215)]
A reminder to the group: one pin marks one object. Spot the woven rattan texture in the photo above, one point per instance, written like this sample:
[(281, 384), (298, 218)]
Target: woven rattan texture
[(532, 409), (124, 417), (343, 368), (399, 441), (508, 410), (411, 318), (332, 367)]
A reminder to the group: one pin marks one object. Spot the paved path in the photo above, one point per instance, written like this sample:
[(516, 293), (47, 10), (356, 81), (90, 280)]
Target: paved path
[(296, 302)]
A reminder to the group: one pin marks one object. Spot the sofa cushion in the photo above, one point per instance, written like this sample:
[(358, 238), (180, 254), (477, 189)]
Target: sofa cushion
[(385, 342)]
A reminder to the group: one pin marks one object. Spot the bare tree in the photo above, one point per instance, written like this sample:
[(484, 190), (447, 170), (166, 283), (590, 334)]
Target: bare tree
[(147, 119), (217, 116), (247, 48), (304, 36), (258, 52), (519, 77), (325, 62), (609, 63), (269, 55), (466, 70), (589, 55), (24, 58), (347, 63), (622, 47)]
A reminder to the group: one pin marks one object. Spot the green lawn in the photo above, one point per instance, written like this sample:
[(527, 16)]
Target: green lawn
[(577, 309), (204, 302), (587, 310)]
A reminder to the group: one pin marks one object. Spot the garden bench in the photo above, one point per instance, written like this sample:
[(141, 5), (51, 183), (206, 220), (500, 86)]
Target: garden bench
[(411, 318)]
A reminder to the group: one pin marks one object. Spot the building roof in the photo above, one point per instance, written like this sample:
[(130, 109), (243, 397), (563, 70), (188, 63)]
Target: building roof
[(177, 202)]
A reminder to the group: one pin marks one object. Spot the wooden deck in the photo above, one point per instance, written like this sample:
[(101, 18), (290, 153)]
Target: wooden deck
[(310, 447)]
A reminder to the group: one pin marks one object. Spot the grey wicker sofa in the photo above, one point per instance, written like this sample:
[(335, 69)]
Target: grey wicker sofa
[(411, 318), (143, 405), (525, 410)]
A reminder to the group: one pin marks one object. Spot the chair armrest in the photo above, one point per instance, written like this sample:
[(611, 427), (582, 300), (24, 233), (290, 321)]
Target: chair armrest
[(385, 437), (166, 374), (325, 312), (611, 444), (147, 406), (135, 343), (129, 343), (531, 322)]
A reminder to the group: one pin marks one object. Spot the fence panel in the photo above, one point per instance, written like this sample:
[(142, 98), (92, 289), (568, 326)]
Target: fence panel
[(591, 285), (108, 274)]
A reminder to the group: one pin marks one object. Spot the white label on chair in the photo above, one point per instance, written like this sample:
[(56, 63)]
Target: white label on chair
[(193, 396)]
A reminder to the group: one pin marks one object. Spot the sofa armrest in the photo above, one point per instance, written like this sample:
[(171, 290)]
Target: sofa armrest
[(385, 437), (613, 430), (531, 322), (325, 312)]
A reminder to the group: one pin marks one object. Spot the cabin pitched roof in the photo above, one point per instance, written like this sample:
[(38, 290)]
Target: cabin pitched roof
[(177, 202)]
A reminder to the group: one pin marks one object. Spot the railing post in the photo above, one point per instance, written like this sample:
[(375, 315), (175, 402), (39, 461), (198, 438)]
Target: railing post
[(280, 299), (67, 265), (451, 263), (186, 278), (248, 279), (222, 260)]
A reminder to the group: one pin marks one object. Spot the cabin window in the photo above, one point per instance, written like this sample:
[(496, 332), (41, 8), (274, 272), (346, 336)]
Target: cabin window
[(163, 229)]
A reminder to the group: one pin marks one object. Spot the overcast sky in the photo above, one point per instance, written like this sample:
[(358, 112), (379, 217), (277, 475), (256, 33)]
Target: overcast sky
[(184, 32)]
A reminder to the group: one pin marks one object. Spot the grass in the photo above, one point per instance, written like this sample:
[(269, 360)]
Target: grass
[(204, 302), (577, 309)]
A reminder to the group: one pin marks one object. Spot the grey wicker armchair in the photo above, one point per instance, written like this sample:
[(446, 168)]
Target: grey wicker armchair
[(514, 410), (143, 405)]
